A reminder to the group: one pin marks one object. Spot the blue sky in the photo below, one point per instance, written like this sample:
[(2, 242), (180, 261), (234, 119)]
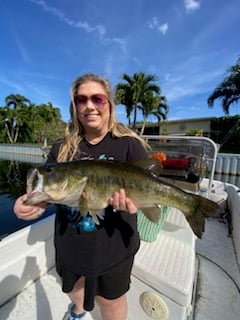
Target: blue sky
[(187, 44)]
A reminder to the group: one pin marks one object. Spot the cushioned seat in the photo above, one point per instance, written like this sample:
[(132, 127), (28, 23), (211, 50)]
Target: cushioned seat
[(177, 226), (168, 265), (177, 218)]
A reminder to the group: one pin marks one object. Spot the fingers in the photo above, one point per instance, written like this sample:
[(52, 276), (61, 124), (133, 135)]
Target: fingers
[(28, 212), (131, 207), (121, 202)]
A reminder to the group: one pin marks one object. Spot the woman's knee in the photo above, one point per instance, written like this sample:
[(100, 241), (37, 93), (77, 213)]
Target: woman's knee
[(111, 303), (79, 284)]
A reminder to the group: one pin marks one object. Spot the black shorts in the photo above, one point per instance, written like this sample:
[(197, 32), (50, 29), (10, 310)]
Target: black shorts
[(110, 285)]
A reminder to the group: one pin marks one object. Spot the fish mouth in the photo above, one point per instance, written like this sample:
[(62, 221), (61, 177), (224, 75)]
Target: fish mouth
[(36, 197), (34, 180), (35, 192)]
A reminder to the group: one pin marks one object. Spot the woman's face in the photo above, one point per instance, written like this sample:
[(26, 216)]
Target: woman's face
[(93, 108)]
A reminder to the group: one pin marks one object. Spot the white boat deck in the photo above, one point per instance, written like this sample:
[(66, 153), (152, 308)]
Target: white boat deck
[(218, 295), (159, 268)]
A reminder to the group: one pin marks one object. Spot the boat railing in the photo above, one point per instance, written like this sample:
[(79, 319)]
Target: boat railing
[(201, 150)]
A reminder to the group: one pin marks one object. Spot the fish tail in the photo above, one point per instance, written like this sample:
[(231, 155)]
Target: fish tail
[(205, 208), (208, 207)]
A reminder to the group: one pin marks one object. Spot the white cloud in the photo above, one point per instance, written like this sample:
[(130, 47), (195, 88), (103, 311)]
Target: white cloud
[(155, 24), (191, 5), (173, 79), (109, 65), (190, 84), (100, 30), (121, 42), (191, 77), (22, 51), (13, 85), (163, 28)]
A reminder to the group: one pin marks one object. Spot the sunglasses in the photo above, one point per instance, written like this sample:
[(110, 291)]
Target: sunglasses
[(99, 100)]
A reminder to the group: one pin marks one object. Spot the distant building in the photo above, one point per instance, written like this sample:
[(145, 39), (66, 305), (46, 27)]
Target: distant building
[(180, 127)]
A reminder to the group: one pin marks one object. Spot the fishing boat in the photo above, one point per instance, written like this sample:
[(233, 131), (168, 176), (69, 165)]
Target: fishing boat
[(176, 276)]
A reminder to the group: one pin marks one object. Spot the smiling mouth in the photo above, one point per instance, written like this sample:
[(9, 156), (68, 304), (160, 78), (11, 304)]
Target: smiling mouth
[(91, 115)]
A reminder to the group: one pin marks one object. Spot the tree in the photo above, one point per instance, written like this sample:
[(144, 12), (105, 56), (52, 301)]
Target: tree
[(23, 121), (132, 93), (228, 90), (155, 105), (12, 115), (226, 132), (44, 116), (123, 96)]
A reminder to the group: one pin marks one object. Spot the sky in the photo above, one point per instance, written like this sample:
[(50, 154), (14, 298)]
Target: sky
[(187, 44)]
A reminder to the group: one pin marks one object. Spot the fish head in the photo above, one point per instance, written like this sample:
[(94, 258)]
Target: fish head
[(53, 184)]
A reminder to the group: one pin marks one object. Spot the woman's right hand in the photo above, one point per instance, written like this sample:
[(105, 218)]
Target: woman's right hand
[(27, 212)]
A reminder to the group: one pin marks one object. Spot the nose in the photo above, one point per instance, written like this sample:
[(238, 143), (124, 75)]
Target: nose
[(90, 104)]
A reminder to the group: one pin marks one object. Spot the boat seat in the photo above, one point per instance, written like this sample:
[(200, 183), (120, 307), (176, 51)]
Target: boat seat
[(168, 265), (177, 226), (177, 218)]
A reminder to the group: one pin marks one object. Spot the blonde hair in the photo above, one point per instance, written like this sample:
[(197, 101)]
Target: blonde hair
[(75, 132)]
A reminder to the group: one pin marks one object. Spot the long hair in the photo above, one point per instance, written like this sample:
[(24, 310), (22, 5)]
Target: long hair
[(75, 132)]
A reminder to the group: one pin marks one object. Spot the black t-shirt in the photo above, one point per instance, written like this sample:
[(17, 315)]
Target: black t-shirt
[(94, 253)]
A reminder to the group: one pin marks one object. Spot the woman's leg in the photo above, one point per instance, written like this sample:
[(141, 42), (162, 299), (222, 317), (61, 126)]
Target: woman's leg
[(77, 295), (111, 309), (115, 309)]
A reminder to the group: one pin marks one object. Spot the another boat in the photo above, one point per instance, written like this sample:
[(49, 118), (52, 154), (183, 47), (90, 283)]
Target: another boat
[(175, 277)]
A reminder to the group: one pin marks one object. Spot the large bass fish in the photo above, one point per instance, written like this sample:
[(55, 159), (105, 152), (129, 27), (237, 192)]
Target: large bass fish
[(89, 184)]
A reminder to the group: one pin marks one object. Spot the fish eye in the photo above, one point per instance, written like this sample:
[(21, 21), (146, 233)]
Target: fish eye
[(48, 168), (45, 168)]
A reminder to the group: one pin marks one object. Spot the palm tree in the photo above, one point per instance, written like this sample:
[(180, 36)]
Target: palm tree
[(228, 90), (123, 96), (155, 105), (131, 93), (25, 121), (45, 115), (16, 106)]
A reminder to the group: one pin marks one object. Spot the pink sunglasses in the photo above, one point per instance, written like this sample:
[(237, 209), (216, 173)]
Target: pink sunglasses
[(98, 99)]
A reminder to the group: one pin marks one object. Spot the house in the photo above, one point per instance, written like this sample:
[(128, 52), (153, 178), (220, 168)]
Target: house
[(179, 127)]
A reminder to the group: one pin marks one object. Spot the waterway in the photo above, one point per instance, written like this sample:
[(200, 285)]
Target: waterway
[(13, 184)]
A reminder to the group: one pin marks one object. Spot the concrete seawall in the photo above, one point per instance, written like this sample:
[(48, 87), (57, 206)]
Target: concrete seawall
[(9, 151)]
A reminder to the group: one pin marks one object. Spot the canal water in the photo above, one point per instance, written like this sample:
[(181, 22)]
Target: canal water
[(13, 184), (13, 174)]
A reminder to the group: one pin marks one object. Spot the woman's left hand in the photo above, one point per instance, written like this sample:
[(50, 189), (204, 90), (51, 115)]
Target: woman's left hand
[(121, 202)]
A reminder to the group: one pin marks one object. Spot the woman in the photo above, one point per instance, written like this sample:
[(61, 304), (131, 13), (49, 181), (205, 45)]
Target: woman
[(96, 262)]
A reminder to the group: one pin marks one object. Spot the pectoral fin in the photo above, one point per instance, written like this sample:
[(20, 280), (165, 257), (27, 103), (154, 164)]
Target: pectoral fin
[(152, 213), (96, 214), (83, 203)]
